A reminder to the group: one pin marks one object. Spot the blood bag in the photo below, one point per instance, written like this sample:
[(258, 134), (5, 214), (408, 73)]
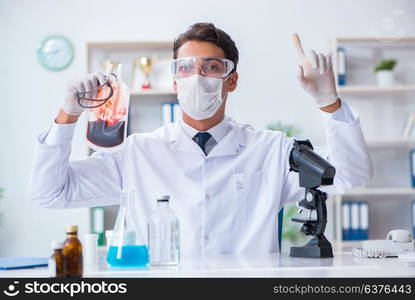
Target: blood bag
[(108, 114)]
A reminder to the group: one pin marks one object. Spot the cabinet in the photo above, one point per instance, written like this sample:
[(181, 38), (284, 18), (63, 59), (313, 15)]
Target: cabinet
[(384, 111), (145, 108)]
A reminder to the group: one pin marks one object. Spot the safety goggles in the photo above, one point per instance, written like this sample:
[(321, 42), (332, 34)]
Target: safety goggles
[(205, 66)]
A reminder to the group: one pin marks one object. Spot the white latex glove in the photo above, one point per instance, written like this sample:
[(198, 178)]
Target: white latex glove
[(85, 83), (315, 74)]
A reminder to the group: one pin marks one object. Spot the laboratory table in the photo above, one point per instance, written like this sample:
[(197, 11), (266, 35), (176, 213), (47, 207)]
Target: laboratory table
[(273, 265)]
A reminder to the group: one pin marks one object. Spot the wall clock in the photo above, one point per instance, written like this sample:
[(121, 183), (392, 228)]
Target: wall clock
[(55, 53)]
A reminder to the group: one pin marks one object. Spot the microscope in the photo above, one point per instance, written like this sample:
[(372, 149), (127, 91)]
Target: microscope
[(313, 171)]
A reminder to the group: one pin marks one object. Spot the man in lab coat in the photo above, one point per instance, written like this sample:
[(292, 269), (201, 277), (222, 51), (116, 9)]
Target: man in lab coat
[(226, 180)]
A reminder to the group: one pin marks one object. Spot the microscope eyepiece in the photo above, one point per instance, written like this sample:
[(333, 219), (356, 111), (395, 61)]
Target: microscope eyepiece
[(312, 168)]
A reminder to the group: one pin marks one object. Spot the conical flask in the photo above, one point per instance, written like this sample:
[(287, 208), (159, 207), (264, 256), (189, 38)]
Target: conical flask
[(127, 245)]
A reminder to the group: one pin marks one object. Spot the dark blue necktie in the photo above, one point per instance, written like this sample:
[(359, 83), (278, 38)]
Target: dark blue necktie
[(202, 138)]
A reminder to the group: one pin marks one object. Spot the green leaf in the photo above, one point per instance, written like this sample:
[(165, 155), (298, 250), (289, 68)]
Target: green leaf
[(386, 64)]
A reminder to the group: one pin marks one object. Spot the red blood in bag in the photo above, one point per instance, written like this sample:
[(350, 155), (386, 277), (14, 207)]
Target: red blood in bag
[(104, 134)]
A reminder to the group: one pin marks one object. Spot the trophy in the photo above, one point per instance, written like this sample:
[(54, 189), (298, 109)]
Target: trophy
[(146, 65)]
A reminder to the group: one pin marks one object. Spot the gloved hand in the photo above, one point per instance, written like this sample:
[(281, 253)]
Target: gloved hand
[(315, 74), (85, 83)]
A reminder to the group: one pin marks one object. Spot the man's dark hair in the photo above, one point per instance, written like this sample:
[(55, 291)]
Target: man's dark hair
[(207, 32)]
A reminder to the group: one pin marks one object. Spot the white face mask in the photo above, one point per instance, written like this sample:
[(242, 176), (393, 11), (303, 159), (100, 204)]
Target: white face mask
[(199, 97)]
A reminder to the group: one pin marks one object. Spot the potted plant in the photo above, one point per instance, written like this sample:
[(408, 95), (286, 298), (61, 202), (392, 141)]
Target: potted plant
[(289, 130), (384, 72)]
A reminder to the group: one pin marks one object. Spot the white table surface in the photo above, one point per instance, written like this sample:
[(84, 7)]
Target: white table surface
[(272, 265)]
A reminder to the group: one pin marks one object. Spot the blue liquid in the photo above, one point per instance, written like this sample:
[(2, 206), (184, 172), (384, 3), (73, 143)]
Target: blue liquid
[(131, 256)]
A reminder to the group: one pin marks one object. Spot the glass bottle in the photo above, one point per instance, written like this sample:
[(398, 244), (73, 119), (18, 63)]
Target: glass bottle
[(164, 235), (127, 247), (72, 250), (56, 261)]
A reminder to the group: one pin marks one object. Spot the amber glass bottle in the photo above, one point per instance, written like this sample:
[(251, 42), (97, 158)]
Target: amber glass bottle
[(56, 261), (72, 250)]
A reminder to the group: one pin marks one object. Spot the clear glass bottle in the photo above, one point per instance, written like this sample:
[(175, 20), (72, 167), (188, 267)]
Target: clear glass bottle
[(72, 250), (127, 247), (56, 261), (164, 235)]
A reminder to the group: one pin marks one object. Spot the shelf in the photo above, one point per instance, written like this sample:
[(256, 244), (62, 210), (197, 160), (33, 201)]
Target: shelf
[(362, 52), (390, 142), (155, 91), (377, 41), (381, 191), (372, 39), (127, 45), (354, 89)]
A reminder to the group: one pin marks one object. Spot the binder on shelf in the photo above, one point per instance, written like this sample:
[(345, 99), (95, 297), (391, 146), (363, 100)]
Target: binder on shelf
[(166, 113), (364, 221), (98, 224), (346, 228), (412, 166), (409, 126), (170, 112), (177, 112), (355, 220), (341, 59)]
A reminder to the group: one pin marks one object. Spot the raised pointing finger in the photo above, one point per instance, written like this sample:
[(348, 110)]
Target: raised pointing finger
[(297, 44)]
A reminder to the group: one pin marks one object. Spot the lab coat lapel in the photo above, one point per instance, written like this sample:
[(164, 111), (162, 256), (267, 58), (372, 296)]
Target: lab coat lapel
[(180, 141), (231, 144)]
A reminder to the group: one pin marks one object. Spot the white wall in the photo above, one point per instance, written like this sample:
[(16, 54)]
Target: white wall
[(267, 90)]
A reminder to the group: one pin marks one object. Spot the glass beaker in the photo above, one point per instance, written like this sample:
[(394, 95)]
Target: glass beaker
[(127, 246)]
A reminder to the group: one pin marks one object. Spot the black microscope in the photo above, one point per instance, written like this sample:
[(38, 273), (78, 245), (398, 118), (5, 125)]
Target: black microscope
[(313, 171)]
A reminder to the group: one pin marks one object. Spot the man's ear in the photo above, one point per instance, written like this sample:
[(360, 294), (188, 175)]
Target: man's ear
[(233, 81)]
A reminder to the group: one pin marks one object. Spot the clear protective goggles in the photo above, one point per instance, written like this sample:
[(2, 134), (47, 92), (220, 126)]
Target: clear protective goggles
[(205, 66)]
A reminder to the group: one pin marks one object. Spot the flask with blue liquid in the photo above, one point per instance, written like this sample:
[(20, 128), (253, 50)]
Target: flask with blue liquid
[(127, 247)]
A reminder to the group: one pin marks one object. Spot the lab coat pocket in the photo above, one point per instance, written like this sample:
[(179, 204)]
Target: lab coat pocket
[(250, 194)]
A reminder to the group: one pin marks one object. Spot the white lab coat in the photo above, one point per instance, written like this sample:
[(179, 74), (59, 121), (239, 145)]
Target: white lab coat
[(227, 202)]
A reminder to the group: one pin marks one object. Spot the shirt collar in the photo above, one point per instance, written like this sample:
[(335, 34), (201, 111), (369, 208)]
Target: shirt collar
[(218, 132), (231, 144)]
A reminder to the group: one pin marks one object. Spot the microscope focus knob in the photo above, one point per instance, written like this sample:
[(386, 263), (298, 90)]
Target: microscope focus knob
[(308, 229)]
